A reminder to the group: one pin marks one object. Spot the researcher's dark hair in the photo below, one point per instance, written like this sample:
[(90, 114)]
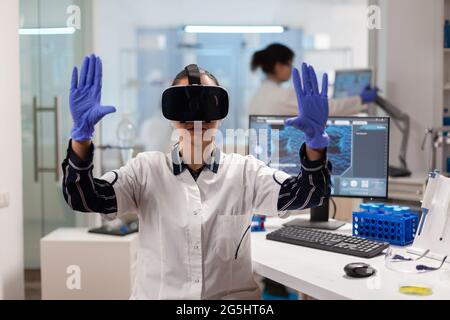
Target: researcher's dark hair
[(183, 74), (267, 58)]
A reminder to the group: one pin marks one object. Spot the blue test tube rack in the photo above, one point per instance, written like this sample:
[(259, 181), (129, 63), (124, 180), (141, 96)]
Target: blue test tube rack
[(381, 222)]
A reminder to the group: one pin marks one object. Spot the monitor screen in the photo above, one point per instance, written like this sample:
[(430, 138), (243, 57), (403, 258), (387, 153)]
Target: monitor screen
[(358, 151), (348, 83)]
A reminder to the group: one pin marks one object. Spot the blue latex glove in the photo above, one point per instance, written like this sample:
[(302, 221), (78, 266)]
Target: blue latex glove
[(312, 107), (369, 94), (84, 100)]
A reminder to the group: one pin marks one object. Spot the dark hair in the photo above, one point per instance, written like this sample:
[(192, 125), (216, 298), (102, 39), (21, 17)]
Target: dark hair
[(183, 74), (271, 55)]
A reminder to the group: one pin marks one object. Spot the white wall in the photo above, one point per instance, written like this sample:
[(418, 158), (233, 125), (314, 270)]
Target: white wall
[(115, 22), (409, 47), (11, 220)]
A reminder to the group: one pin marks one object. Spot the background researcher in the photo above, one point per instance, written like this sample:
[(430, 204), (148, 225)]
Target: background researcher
[(271, 98)]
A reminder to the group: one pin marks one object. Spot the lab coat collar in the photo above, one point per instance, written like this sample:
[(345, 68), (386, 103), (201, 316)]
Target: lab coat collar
[(178, 165), (271, 82)]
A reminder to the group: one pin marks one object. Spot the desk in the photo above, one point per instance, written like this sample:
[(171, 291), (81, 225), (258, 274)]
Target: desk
[(316, 273), (105, 264), (320, 274)]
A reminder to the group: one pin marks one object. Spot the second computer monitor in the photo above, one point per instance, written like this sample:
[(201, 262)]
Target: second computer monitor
[(349, 83), (358, 151)]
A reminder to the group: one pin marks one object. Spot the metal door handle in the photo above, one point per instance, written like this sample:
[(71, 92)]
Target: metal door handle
[(54, 110), (35, 148), (56, 136)]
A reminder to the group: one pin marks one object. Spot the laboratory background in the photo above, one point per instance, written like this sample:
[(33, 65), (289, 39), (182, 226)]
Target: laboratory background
[(391, 157)]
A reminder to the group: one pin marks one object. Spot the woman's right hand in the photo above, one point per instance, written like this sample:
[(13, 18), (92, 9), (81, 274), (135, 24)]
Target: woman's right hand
[(85, 96)]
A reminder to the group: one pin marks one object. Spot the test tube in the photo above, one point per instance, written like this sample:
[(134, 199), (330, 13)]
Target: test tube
[(374, 208), (398, 210), (380, 206), (405, 209), (364, 207), (388, 209)]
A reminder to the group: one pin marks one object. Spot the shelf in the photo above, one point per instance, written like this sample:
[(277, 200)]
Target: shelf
[(447, 50), (447, 87)]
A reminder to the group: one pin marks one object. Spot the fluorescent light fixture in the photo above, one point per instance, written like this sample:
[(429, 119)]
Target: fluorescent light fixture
[(234, 29), (46, 31)]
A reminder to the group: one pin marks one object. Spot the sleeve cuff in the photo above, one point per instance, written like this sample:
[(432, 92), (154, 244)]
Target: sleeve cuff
[(76, 162), (309, 165)]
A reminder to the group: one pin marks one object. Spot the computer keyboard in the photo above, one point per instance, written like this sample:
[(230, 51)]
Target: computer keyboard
[(328, 241)]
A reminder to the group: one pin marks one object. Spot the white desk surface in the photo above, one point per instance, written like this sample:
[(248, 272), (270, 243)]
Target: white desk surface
[(82, 235), (320, 274)]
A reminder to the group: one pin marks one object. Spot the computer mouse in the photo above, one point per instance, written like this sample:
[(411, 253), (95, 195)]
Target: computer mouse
[(359, 270)]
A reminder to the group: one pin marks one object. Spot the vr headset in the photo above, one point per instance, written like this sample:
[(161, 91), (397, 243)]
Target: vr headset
[(194, 102)]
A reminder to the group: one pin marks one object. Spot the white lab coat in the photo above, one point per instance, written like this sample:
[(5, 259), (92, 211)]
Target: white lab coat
[(190, 230), (273, 99)]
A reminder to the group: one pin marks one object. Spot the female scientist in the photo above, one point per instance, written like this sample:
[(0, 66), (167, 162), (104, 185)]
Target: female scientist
[(195, 215), (272, 98)]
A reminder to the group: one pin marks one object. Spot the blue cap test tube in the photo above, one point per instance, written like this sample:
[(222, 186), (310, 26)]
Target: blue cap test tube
[(405, 209), (380, 205), (389, 209), (374, 208), (364, 207)]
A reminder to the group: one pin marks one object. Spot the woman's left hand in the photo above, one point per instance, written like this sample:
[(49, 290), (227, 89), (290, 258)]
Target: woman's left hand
[(312, 107)]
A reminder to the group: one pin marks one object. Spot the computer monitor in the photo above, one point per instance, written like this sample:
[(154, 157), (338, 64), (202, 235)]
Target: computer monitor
[(348, 83), (358, 151)]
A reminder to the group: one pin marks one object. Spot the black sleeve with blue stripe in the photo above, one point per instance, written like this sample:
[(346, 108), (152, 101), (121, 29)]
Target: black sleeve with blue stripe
[(81, 190), (310, 188)]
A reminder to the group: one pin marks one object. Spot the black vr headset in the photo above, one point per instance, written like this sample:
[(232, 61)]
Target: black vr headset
[(194, 102)]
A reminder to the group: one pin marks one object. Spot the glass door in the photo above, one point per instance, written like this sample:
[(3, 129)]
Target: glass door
[(49, 48)]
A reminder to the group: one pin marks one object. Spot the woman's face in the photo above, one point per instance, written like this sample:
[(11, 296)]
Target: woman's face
[(282, 71), (204, 126)]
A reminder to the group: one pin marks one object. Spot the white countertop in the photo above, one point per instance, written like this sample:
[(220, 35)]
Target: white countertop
[(316, 273), (82, 235), (320, 274)]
